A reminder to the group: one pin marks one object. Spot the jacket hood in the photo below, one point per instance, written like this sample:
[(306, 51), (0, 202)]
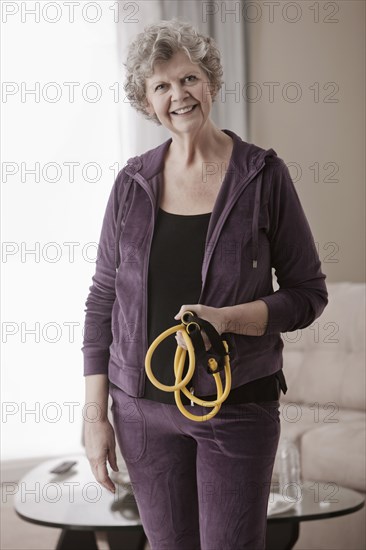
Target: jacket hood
[(246, 162), (245, 157)]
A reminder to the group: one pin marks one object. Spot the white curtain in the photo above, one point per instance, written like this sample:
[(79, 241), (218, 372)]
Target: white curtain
[(60, 155), (224, 21)]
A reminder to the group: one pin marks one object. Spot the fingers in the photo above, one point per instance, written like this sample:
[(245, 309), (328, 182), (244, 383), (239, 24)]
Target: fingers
[(112, 459), (100, 445), (100, 472), (180, 340), (196, 308), (103, 477)]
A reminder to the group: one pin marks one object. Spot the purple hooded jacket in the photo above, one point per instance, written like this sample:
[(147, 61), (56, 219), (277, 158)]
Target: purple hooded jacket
[(257, 224)]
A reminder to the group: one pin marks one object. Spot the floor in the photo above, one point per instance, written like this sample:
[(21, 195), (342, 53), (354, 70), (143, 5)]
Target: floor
[(16, 534)]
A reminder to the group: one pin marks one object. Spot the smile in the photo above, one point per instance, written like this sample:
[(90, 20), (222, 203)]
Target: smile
[(184, 110)]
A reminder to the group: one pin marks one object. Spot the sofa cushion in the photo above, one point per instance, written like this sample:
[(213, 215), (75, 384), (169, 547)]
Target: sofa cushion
[(325, 377), (336, 455), (299, 419), (325, 362)]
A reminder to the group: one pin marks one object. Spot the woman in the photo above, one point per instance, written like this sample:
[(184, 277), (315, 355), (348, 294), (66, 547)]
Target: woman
[(195, 224)]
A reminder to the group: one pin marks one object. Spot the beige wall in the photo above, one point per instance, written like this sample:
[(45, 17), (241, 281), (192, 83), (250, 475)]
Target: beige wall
[(308, 132)]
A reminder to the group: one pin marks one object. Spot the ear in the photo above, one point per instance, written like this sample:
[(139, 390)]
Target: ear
[(148, 107)]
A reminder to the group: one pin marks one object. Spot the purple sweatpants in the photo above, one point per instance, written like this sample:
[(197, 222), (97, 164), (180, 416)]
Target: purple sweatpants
[(199, 485)]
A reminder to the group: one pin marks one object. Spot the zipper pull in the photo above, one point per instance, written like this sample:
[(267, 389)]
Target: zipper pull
[(192, 392)]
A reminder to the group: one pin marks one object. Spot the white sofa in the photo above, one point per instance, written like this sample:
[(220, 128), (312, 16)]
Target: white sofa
[(324, 366)]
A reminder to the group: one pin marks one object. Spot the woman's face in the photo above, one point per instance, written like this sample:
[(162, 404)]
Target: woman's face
[(176, 84)]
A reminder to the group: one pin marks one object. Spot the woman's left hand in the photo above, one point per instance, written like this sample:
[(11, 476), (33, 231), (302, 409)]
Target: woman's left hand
[(213, 315)]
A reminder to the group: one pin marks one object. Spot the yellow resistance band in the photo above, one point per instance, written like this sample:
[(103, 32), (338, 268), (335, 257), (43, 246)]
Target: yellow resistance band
[(180, 385)]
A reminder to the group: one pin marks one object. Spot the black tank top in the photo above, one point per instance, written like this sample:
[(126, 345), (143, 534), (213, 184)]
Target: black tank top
[(174, 278)]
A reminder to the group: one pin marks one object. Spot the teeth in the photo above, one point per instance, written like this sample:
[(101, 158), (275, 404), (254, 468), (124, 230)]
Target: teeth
[(185, 110)]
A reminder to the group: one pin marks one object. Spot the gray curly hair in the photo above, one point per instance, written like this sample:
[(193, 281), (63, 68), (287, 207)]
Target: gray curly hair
[(159, 42)]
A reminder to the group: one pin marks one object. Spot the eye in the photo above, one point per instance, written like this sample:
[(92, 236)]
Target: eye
[(191, 78), (158, 87)]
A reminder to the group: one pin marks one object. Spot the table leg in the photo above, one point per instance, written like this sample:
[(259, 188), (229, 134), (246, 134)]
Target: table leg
[(282, 536), (75, 540), (126, 539)]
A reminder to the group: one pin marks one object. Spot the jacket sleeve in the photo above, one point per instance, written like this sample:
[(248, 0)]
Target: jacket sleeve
[(98, 313), (302, 294)]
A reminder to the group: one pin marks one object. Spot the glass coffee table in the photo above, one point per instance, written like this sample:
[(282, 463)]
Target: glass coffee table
[(315, 500), (77, 504)]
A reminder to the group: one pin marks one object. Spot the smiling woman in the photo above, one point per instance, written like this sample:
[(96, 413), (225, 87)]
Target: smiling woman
[(157, 45), (172, 96), (204, 240)]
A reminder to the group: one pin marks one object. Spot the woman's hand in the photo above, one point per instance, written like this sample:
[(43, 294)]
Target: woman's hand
[(248, 319), (100, 445), (213, 315)]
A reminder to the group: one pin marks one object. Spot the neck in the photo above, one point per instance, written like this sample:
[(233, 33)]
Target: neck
[(205, 145)]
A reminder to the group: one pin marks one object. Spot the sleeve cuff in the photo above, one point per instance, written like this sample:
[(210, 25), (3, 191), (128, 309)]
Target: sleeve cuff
[(96, 365)]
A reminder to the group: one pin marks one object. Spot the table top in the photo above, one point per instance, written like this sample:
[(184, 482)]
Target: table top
[(75, 500), (318, 500)]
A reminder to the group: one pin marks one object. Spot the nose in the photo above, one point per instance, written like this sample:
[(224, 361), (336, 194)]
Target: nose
[(178, 92)]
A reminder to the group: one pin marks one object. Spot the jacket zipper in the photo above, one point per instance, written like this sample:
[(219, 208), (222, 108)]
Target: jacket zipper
[(228, 209), (143, 182)]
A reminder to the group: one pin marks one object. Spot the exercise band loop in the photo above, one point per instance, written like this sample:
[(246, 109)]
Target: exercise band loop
[(191, 329)]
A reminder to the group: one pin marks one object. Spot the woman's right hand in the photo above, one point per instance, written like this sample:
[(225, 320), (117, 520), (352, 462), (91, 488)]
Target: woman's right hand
[(100, 446)]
